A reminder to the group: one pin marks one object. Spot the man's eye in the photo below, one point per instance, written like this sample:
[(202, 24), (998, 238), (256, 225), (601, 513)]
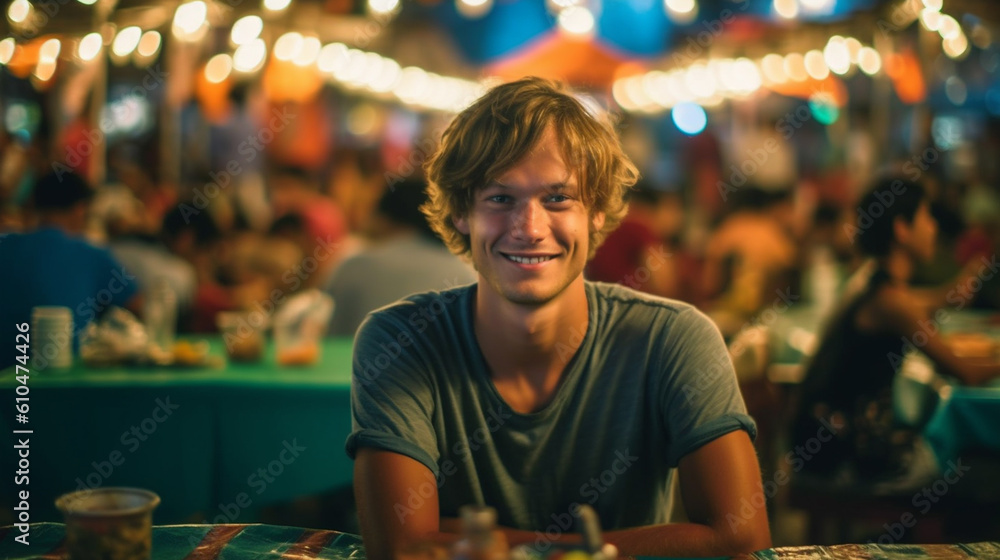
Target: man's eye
[(558, 198), (500, 198)]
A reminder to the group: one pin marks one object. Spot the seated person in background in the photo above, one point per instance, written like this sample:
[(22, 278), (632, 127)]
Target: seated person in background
[(196, 237), (750, 259), (847, 388), (405, 257), (535, 391), (293, 190), (133, 238), (637, 253), (55, 265)]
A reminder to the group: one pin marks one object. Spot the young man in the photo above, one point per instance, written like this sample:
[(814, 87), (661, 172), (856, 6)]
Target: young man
[(534, 391)]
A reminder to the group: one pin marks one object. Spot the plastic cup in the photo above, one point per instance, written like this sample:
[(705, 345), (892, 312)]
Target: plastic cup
[(243, 334), (296, 344), (52, 337), (299, 326), (109, 523)]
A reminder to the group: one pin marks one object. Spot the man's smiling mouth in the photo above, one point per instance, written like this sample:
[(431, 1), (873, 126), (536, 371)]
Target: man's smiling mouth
[(528, 260)]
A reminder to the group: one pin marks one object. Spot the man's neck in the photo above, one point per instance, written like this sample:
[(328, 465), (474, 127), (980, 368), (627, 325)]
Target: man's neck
[(531, 343)]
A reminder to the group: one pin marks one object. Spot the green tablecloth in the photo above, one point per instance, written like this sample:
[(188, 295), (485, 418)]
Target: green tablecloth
[(965, 420), (215, 444), (268, 542)]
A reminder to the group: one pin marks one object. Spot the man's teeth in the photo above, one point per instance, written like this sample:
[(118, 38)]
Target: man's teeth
[(528, 260)]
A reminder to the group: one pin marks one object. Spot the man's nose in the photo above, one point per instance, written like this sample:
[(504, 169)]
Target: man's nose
[(530, 221)]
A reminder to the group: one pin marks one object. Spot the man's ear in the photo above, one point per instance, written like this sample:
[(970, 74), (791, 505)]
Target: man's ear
[(461, 223), (597, 221)]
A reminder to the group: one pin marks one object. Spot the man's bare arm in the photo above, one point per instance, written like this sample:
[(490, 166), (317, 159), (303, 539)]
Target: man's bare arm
[(390, 522), (716, 481)]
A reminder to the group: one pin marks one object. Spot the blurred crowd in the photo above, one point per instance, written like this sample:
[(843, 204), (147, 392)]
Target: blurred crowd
[(229, 242)]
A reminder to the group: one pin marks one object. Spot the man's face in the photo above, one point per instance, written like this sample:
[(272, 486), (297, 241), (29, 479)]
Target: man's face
[(529, 230)]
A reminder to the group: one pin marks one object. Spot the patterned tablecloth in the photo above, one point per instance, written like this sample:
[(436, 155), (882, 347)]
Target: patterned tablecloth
[(267, 542)]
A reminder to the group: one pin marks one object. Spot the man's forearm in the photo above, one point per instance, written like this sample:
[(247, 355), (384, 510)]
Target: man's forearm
[(675, 539)]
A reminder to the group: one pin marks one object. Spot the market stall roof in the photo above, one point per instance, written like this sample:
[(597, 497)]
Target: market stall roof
[(507, 29)]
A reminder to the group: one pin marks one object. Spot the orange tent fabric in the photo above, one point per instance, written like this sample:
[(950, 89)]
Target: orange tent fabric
[(565, 58)]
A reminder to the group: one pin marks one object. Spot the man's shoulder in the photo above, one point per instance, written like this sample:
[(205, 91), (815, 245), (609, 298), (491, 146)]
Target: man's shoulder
[(627, 314), (617, 295)]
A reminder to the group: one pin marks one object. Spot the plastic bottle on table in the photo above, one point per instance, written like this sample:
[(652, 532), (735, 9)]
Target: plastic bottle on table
[(480, 541), (161, 318)]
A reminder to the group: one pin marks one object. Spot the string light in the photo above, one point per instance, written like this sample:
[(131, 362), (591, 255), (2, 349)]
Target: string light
[(682, 12), (576, 20), (90, 46), (709, 83)]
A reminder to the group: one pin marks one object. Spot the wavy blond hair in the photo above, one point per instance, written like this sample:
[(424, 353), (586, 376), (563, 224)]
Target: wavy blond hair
[(500, 128)]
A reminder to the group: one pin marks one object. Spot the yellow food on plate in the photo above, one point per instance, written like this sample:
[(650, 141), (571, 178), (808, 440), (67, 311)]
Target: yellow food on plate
[(187, 353), (302, 355)]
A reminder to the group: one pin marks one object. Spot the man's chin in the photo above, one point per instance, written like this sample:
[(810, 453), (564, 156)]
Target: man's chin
[(528, 299), (530, 296)]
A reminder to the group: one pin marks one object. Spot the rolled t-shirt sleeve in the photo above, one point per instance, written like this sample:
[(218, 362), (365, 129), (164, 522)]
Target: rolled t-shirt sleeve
[(391, 394), (700, 398)]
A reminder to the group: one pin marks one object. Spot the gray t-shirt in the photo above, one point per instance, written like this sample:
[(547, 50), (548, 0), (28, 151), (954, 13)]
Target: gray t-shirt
[(650, 383)]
